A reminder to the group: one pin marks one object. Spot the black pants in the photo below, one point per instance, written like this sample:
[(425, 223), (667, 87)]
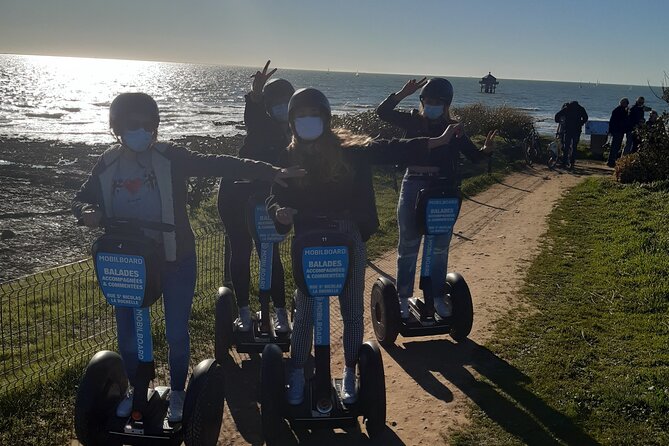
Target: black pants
[(231, 207)]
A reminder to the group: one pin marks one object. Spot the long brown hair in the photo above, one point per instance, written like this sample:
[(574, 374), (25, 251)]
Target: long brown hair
[(324, 159)]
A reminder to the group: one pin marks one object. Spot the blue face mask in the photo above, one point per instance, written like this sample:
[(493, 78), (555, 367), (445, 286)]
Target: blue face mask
[(309, 128), (280, 112), (433, 111), (137, 140)]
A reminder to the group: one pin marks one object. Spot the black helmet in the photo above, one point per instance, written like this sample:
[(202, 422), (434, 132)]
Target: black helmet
[(438, 88), (277, 90), (309, 97), (127, 103)]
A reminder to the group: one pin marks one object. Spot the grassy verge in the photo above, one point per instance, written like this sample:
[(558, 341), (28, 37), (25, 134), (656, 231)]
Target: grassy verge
[(590, 363)]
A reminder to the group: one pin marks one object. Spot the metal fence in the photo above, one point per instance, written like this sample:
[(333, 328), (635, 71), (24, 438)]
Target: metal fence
[(58, 318)]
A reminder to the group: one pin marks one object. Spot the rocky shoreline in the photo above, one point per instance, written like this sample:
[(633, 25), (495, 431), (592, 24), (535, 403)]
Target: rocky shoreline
[(38, 179)]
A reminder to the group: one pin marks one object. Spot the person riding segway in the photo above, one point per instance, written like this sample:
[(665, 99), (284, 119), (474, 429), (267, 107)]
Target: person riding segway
[(435, 313), (264, 329), (128, 267)]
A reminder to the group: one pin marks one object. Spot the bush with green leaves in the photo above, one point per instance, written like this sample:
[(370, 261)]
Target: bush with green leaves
[(513, 125), (651, 162)]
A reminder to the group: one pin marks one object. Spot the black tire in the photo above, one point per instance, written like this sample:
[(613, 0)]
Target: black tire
[(205, 401), (372, 388), (272, 387), (224, 319), (103, 385), (463, 308), (529, 155), (385, 311)]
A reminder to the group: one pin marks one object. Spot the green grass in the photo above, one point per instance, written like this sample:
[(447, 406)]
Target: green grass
[(590, 362)]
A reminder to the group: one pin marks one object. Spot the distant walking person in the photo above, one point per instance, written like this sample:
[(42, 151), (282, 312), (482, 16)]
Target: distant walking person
[(635, 119), (573, 116), (617, 129)]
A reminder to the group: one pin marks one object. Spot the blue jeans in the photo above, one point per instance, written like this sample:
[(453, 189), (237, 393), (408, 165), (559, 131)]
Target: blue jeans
[(178, 282), (409, 242), (570, 142)]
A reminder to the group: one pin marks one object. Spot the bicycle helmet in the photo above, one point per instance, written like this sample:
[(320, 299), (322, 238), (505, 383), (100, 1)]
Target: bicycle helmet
[(309, 97), (276, 91), (438, 88), (127, 103)]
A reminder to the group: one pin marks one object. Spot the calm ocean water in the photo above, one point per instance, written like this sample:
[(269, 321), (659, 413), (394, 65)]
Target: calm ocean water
[(67, 99)]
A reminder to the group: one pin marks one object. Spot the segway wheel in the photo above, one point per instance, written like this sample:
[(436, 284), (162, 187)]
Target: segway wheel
[(103, 385), (205, 401), (463, 308), (224, 319), (385, 310), (372, 388), (272, 389)]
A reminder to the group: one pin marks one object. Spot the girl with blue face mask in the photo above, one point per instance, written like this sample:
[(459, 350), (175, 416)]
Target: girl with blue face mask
[(144, 179), (338, 185), (430, 119), (267, 136)]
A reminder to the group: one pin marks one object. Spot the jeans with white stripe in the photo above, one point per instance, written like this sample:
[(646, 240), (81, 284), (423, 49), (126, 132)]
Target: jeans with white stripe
[(351, 304)]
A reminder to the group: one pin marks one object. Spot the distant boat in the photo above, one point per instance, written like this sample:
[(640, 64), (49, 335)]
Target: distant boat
[(357, 74)]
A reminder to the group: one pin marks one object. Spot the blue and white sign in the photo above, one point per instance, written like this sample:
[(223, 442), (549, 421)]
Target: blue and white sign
[(440, 215), (122, 278), (321, 320), (325, 269), (142, 321), (265, 226)]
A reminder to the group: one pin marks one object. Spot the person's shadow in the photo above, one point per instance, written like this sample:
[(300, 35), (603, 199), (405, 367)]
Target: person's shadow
[(242, 393), (500, 392)]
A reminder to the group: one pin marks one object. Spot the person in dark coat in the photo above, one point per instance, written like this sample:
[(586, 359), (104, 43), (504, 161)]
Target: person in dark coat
[(635, 119), (267, 136), (617, 129), (573, 116)]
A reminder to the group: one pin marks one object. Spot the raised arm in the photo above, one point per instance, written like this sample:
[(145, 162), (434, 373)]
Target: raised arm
[(386, 110)]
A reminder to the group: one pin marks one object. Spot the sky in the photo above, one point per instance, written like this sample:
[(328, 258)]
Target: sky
[(610, 41)]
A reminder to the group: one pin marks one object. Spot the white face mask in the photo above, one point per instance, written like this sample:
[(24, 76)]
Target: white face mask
[(309, 128), (433, 111), (137, 140), (280, 112)]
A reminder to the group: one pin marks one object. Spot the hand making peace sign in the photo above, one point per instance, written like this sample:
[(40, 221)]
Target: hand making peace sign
[(259, 81)]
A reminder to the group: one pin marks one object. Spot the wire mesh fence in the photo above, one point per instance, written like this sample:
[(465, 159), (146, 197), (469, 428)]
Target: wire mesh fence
[(58, 318)]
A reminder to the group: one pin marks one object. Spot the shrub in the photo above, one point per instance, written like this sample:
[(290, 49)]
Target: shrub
[(651, 162), (514, 125), (367, 123)]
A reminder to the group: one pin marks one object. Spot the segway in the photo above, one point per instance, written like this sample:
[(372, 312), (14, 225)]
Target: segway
[(262, 331), (127, 265), (321, 262), (436, 212)]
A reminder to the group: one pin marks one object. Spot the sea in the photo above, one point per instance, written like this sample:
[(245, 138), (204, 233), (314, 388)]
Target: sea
[(67, 99)]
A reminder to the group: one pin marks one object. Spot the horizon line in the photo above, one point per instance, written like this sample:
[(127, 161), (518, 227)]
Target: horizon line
[(319, 70)]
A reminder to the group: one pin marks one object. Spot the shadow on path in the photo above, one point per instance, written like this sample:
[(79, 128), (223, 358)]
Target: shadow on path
[(502, 395)]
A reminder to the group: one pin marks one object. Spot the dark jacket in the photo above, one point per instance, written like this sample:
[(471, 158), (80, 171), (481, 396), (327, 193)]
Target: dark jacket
[(574, 116), (618, 121), (346, 197), (636, 117), (172, 165), (416, 125), (265, 140)]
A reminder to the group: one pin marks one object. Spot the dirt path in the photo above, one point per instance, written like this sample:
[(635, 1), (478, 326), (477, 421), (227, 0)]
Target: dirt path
[(430, 380)]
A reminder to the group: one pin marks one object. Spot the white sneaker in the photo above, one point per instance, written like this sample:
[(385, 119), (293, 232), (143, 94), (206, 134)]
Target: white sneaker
[(349, 392), (176, 410), (295, 392), (244, 322), (124, 408), (282, 325), (443, 306), (404, 307)]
